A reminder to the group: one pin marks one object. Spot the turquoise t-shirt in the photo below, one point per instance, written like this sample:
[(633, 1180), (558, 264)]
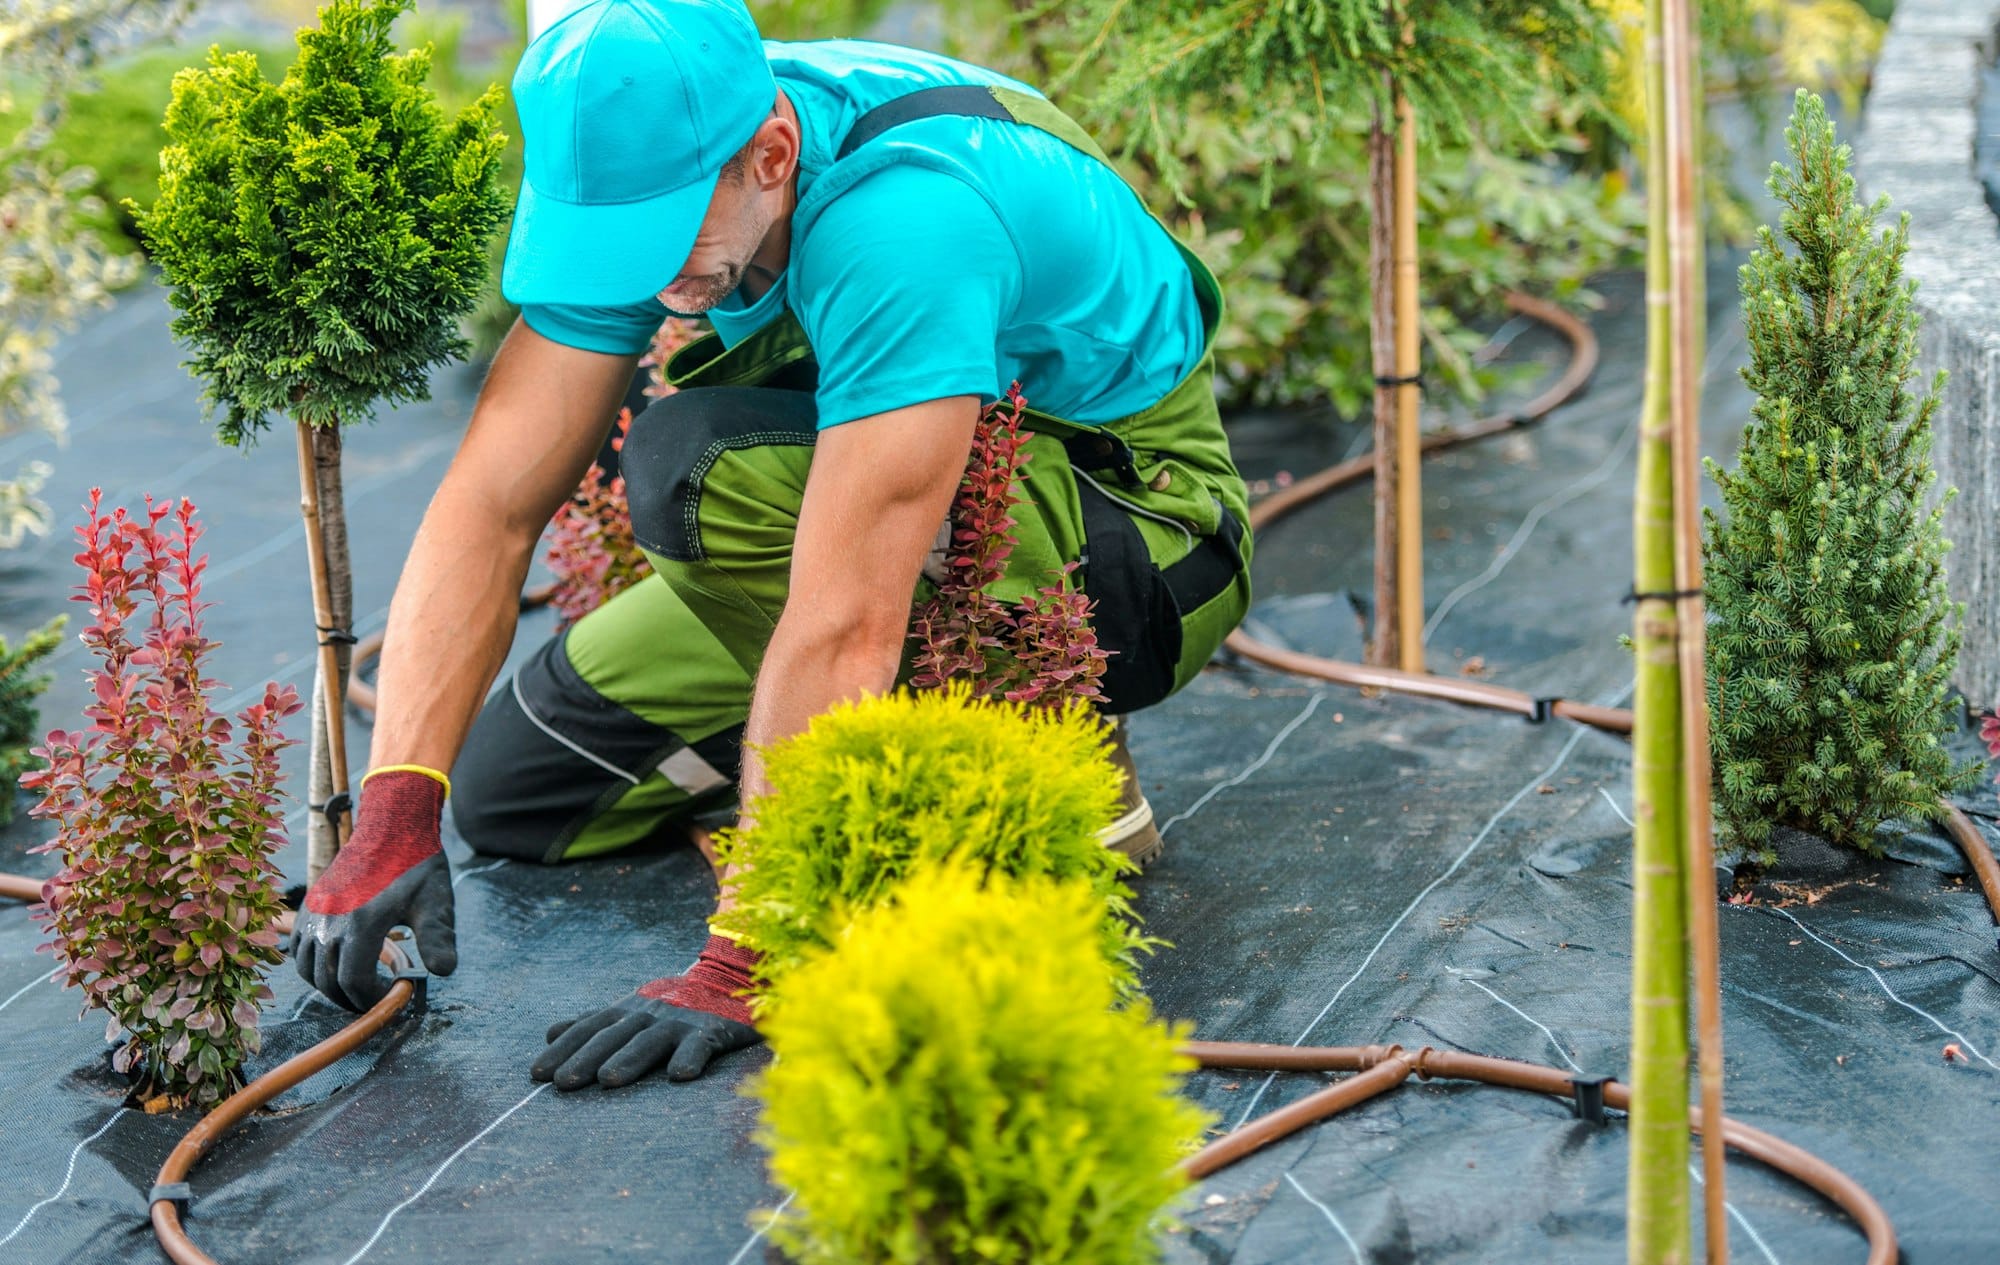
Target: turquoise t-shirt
[(985, 253)]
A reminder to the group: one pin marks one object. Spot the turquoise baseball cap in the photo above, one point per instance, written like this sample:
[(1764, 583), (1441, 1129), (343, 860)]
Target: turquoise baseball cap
[(629, 109)]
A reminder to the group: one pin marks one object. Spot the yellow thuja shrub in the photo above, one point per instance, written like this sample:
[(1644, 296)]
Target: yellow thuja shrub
[(873, 790), (955, 1083)]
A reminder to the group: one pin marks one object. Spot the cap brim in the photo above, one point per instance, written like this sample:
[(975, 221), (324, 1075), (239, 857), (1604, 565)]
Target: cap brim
[(601, 255)]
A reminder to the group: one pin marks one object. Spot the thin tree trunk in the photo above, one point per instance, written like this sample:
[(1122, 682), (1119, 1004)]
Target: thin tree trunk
[(322, 503), (1681, 78), (1658, 1230), (1409, 399), (1385, 649)]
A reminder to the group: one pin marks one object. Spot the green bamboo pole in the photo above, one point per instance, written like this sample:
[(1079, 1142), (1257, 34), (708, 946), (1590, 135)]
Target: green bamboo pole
[(1682, 79), (1658, 1230)]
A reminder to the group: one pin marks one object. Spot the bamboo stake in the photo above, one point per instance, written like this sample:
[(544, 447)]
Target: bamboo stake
[(333, 733), (1658, 1230), (1409, 398), (1685, 254), (1385, 649)]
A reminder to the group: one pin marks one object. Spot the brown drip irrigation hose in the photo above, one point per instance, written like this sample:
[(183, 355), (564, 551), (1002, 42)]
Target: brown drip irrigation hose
[(1382, 1068), (202, 1138), (1379, 1068)]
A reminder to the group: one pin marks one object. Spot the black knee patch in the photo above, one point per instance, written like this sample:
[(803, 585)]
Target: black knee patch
[(673, 445), (549, 753)]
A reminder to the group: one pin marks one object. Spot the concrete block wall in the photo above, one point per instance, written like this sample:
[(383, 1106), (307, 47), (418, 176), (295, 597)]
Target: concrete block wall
[(1917, 145)]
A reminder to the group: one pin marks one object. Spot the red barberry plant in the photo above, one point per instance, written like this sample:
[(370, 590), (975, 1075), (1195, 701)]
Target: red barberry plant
[(165, 910), (1039, 650), (591, 550)]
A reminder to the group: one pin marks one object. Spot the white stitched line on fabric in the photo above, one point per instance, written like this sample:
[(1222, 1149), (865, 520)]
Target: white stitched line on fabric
[(39, 979), (1331, 1220), (440, 1172), (1527, 529), (1741, 1220), (1269, 751), (1935, 1021), (1412, 907), (68, 1175), (1616, 809), (527, 711), (1174, 523), (463, 875), (1574, 1066), (751, 1242)]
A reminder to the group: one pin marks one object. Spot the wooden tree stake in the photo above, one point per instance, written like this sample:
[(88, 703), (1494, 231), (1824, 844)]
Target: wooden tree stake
[(1384, 650), (319, 447)]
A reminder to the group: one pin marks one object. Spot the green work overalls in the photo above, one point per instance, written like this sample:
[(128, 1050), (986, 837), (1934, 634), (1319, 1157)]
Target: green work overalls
[(633, 717)]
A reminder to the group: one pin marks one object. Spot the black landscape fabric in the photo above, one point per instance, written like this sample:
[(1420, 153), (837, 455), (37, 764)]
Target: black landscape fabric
[(1339, 870)]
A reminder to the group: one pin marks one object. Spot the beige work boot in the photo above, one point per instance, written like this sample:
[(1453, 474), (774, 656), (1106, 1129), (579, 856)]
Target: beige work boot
[(1133, 832)]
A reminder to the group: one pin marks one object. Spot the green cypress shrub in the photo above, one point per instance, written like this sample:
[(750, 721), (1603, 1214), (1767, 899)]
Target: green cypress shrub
[(322, 234), (874, 790), (20, 686), (1833, 640), (954, 1083)]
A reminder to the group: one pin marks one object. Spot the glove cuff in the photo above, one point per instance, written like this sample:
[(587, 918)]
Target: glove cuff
[(715, 984)]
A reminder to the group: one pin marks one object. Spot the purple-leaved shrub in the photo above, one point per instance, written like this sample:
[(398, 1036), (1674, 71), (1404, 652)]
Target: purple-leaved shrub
[(164, 912), (1040, 650)]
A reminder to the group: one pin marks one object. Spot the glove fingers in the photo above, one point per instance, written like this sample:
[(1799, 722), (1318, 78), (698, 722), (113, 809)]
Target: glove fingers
[(693, 1056), (580, 1069), (642, 1054), (573, 1038), (358, 984), (434, 925)]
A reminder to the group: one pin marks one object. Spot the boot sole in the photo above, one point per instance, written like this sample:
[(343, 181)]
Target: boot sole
[(1135, 835)]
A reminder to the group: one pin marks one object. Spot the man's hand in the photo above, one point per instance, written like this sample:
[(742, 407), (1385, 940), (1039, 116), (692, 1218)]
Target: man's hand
[(685, 1022), (392, 872)]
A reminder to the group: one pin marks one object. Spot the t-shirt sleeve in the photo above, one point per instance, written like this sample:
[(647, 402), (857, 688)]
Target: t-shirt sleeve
[(902, 287), (617, 331)]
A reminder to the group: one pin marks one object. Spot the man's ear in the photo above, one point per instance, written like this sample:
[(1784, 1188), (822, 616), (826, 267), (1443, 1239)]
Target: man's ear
[(774, 153)]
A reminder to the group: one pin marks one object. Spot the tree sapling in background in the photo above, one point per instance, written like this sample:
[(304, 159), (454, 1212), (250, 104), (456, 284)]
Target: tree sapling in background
[(1833, 641), (322, 236), (165, 910), (955, 1083)]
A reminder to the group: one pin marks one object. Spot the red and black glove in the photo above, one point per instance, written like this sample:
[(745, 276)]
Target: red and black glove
[(685, 1022), (391, 872)]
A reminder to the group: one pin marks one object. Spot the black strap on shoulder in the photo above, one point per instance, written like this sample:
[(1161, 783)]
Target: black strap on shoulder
[(972, 99)]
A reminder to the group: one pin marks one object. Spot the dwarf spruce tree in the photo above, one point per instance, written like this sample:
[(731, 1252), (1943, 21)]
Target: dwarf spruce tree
[(20, 686), (322, 236), (1833, 640)]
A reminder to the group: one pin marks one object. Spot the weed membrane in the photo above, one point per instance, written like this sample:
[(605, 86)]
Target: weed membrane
[(1339, 870)]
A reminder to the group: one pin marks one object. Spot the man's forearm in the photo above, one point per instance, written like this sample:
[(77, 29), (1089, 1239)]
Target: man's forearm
[(450, 625)]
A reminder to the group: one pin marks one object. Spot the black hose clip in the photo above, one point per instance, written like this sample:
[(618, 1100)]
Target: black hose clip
[(1544, 708), (409, 965), (340, 803), (1587, 1097), (179, 1194), (336, 636)]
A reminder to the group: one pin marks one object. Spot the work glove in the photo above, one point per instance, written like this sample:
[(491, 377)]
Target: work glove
[(686, 1022), (391, 872)]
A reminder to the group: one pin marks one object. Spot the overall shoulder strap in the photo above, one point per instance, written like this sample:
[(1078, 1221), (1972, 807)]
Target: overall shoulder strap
[(976, 100)]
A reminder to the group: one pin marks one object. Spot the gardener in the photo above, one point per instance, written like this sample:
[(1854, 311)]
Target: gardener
[(883, 240)]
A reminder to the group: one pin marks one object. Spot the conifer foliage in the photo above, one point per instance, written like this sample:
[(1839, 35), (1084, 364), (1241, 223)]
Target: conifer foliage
[(20, 685), (953, 1083), (322, 234), (1833, 640)]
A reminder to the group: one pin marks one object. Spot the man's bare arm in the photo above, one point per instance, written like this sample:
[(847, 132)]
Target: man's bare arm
[(879, 487), (541, 417)]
